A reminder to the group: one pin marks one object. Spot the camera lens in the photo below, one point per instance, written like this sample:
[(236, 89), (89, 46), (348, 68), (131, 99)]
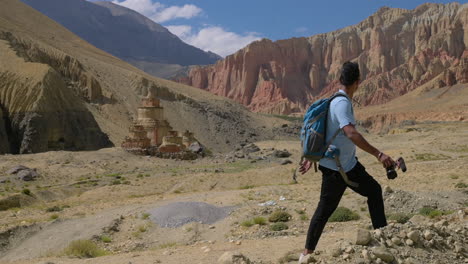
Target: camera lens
[(391, 173)]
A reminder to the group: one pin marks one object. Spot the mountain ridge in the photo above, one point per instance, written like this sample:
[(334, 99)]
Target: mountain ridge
[(123, 33), (397, 50)]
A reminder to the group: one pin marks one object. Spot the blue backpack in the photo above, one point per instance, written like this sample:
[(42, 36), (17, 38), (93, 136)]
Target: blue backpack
[(314, 130)]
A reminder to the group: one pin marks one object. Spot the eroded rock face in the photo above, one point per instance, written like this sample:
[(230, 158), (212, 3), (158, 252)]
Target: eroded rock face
[(42, 102), (397, 50)]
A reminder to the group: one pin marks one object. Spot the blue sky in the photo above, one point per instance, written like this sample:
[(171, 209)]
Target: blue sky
[(224, 26)]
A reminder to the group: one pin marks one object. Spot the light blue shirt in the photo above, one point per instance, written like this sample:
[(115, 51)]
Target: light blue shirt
[(340, 115)]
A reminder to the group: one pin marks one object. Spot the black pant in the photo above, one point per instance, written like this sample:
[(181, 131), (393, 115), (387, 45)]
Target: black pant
[(333, 187)]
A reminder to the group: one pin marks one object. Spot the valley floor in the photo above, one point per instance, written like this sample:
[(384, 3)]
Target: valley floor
[(107, 196)]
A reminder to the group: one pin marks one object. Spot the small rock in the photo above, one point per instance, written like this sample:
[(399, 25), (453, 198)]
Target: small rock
[(378, 233), (418, 219), (428, 235), (27, 175), (349, 249), (396, 241), (361, 261), (363, 237), (414, 235), (281, 153), (365, 254), (387, 189), (239, 243), (207, 250), (409, 242), (411, 261), (211, 227), (345, 256), (286, 162), (336, 251), (17, 169), (441, 223), (383, 254), (233, 258)]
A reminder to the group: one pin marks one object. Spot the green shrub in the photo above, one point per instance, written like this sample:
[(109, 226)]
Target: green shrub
[(304, 217), (26, 191), (259, 220), (84, 249), (106, 239), (461, 185), (279, 216), (278, 226), (432, 213), (247, 223), (343, 214), (399, 217)]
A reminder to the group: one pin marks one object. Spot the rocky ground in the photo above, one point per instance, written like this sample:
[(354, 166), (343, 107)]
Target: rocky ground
[(230, 208)]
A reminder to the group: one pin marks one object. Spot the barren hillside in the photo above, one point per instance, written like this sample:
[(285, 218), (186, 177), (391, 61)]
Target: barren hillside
[(56, 86)]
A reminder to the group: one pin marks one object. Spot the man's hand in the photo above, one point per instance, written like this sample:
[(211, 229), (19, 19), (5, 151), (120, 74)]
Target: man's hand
[(305, 166), (386, 160)]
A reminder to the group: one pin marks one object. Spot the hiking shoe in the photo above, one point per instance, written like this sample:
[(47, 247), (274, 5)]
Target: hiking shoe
[(304, 259)]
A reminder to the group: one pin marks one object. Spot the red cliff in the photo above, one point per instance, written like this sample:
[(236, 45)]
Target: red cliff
[(397, 51)]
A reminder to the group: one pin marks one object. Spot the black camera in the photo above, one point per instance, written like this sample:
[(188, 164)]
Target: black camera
[(391, 172)]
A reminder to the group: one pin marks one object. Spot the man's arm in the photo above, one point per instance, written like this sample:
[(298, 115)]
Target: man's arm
[(356, 137)]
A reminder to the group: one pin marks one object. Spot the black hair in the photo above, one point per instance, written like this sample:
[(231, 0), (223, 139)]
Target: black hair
[(349, 73)]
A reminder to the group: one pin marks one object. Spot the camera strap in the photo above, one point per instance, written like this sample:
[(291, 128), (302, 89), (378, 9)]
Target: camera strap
[(343, 173)]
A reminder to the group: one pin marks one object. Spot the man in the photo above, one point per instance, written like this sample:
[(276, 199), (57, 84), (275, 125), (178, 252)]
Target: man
[(341, 116)]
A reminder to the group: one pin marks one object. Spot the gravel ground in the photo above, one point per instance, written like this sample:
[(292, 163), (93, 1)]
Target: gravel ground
[(181, 213)]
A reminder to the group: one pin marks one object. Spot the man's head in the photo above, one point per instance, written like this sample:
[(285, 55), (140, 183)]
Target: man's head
[(350, 76)]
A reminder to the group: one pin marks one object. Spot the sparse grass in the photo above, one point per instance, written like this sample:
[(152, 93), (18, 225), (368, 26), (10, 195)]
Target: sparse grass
[(304, 217), (343, 214), (115, 175), (167, 245), (84, 249), (278, 226), (400, 217), (279, 216), (432, 213), (461, 185), (53, 209), (290, 118), (142, 228), (430, 156), (301, 212), (179, 190), (145, 216), (106, 239), (54, 217), (259, 220), (247, 223), (116, 182), (26, 192), (245, 187), (454, 176)]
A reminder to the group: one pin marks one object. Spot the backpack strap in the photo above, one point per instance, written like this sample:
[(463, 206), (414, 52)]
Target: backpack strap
[(338, 94)]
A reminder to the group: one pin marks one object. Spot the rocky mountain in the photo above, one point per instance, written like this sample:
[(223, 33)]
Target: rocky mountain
[(397, 50), (58, 92), (125, 34)]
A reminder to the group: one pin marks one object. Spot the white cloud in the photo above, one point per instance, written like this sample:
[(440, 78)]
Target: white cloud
[(214, 39), (159, 12)]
